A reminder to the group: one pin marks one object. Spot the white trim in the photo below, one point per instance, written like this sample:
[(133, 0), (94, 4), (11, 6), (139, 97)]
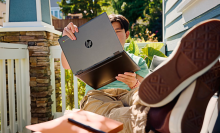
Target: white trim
[(27, 24), (19, 95), (11, 94), (55, 51), (7, 11), (17, 53), (14, 46), (27, 93), (185, 4), (196, 8), (63, 90), (50, 13), (30, 29), (55, 8), (76, 92), (38, 10), (169, 4)]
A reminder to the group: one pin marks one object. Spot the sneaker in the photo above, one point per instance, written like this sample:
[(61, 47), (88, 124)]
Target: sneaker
[(196, 53), (188, 114)]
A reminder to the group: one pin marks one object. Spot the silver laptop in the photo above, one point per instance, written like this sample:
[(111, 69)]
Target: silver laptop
[(97, 57)]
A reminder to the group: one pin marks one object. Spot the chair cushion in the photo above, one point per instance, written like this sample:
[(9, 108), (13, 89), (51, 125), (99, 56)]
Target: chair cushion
[(156, 61)]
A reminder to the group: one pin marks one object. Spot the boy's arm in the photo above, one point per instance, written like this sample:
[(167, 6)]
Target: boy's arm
[(64, 61), (140, 79), (68, 31)]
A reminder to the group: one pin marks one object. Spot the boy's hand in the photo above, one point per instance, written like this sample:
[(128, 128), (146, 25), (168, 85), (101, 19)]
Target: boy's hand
[(69, 30), (128, 78)]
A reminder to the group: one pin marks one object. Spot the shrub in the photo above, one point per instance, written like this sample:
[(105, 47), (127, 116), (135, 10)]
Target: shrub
[(69, 87), (140, 33), (147, 52)]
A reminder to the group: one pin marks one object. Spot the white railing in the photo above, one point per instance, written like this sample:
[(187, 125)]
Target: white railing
[(55, 52), (18, 53)]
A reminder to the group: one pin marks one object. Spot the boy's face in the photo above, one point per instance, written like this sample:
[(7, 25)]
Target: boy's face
[(122, 36)]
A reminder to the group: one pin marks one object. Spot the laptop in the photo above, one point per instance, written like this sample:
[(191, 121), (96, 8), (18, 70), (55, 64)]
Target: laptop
[(97, 57)]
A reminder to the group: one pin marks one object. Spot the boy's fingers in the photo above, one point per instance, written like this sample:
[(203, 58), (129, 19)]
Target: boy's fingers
[(69, 33), (126, 76), (71, 27), (122, 80), (126, 80), (130, 74), (76, 28)]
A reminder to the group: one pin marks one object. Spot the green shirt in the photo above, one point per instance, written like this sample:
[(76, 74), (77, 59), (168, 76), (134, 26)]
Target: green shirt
[(118, 84)]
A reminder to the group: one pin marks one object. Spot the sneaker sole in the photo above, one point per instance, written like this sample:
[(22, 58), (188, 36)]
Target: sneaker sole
[(196, 53), (188, 114)]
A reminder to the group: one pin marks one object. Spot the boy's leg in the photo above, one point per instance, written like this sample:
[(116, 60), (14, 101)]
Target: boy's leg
[(99, 102), (134, 118), (196, 53), (189, 111), (110, 103), (158, 118), (186, 114), (129, 98)]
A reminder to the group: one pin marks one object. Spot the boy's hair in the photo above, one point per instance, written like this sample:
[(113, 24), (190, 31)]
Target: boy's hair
[(121, 19)]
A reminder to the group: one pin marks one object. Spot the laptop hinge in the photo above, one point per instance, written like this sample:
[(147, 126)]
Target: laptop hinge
[(79, 72), (116, 53)]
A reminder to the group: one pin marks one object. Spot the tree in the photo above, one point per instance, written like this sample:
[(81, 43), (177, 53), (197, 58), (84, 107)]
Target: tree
[(131, 9), (149, 11), (89, 8), (154, 10)]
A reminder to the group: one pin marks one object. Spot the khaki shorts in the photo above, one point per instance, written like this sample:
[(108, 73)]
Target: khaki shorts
[(118, 104)]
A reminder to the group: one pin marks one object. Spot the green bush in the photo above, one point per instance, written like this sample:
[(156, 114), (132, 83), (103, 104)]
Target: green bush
[(140, 33), (69, 87), (147, 52)]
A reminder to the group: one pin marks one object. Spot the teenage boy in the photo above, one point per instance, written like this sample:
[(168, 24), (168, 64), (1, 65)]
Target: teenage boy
[(129, 99)]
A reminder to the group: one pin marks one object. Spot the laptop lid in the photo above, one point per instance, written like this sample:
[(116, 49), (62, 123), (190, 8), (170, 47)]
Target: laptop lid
[(96, 36)]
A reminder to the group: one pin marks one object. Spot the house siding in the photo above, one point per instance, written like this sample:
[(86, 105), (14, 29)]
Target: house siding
[(175, 25)]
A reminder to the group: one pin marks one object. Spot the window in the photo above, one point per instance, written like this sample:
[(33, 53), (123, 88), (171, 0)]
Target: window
[(56, 14), (51, 12)]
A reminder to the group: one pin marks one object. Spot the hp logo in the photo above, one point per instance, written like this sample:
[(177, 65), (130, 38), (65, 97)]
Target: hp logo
[(88, 43)]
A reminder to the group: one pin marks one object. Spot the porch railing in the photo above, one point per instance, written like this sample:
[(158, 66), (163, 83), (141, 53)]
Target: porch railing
[(16, 56), (55, 52)]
